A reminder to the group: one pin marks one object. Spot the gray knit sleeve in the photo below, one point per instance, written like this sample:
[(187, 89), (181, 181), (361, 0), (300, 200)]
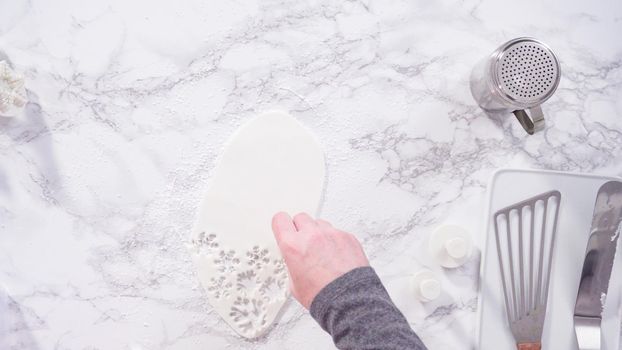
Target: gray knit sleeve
[(358, 313)]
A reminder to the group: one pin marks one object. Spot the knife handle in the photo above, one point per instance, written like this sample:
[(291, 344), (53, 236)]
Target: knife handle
[(529, 346)]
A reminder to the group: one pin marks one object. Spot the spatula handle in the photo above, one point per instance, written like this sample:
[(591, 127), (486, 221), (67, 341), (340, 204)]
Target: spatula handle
[(529, 346)]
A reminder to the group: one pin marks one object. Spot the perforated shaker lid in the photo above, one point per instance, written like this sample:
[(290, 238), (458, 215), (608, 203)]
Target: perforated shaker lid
[(526, 71)]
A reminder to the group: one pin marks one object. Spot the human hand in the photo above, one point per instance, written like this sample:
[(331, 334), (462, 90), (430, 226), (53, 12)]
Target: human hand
[(315, 253)]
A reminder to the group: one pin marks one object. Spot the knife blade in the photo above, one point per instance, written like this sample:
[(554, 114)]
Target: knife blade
[(597, 265)]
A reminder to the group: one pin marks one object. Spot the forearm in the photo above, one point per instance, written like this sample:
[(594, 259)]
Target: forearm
[(358, 313)]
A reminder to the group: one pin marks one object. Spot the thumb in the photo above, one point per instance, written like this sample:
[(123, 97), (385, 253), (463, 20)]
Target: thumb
[(282, 225)]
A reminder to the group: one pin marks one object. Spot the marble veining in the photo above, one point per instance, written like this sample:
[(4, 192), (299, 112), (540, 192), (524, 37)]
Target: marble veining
[(130, 103)]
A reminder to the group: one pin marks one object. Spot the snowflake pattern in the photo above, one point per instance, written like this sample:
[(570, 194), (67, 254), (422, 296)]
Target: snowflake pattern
[(249, 287), (248, 282), (272, 289), (248, 313), (279, 268), (205, 244), (227, 261), (257, 257), (219, 287)]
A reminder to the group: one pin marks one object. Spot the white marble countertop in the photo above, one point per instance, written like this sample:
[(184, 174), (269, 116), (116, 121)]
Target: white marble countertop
[(132, 101)]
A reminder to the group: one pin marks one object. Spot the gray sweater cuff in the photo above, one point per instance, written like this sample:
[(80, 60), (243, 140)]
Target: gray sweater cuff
[(358, 313), (354, 279)]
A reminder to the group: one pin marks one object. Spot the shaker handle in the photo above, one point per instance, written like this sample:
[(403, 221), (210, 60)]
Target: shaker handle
[(533, 123)]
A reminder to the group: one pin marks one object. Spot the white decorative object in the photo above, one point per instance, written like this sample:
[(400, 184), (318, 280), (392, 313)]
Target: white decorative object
[(450, 245), (427, 286), (271, 164), (12, 91)]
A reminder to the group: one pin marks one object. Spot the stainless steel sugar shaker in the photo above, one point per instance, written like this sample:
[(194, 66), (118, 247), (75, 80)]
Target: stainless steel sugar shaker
[(517, 78)]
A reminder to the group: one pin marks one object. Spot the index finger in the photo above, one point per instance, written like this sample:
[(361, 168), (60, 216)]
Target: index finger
[(282, 224)]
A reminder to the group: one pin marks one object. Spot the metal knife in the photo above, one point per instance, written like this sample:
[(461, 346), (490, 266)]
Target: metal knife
[(597, 265)]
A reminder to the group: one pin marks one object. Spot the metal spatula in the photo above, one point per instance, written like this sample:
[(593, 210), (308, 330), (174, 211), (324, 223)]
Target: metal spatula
[(598, 265), (525, 236)]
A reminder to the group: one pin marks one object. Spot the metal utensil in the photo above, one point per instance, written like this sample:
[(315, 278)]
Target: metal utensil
[(517, 78), (597, 266), (525, 235)]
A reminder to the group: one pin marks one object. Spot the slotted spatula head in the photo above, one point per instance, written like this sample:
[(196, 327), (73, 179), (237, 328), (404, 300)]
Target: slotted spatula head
[(525, 237)]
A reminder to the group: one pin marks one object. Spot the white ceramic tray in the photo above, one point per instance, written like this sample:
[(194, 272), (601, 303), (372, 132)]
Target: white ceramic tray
[(575, 215)]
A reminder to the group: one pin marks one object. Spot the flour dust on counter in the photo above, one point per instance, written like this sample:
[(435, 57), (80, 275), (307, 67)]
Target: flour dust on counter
[(271, 164)]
